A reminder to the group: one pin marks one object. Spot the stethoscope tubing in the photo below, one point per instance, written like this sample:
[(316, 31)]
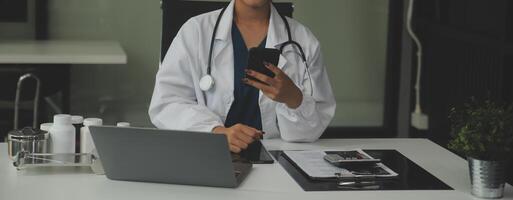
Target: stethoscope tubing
[(289, 42)]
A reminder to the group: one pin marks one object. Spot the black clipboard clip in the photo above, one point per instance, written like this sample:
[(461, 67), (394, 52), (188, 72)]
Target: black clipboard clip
[(358, 181)]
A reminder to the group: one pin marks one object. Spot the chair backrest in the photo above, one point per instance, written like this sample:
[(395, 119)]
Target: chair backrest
[(176, 12)]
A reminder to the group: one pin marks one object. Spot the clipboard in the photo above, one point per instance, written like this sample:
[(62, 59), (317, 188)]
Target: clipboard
[(313, 165), (411, 176)]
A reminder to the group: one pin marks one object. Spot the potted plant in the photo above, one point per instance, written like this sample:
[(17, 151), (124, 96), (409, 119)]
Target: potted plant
[(483, 132)]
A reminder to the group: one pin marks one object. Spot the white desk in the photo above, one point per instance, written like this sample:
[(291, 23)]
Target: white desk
[(263, 183), (61, 52)]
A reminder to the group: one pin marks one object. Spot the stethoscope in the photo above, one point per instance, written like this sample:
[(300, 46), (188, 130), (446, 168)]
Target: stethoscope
[(207, 82)]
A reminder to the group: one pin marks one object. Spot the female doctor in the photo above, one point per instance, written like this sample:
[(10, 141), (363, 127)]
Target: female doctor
[(202, 86)]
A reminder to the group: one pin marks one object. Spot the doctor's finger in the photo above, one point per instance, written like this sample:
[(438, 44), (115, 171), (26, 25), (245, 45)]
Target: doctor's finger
[(261, 77), (234, 149), (239, 143), (253, 133), (273, 68), (249, 128), (258, 85), (245, 138), (258, 131)]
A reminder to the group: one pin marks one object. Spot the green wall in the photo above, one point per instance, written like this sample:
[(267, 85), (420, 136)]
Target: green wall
[(352, 33), (353, 36), (20, 30), (113, 92)]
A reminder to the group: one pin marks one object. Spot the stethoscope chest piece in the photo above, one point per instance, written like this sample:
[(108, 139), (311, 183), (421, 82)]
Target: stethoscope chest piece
[(206, 83)]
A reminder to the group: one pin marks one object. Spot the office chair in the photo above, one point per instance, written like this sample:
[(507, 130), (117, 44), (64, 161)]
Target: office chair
[(176, 12)]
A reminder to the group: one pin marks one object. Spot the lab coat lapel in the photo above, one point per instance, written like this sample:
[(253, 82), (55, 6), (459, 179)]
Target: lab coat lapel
[(277, 33), (223, 36), (222, 55)]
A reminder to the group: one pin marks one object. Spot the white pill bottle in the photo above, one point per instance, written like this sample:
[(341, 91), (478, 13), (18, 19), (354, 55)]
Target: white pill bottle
[(123, 124), (62, 134), (86, 140)]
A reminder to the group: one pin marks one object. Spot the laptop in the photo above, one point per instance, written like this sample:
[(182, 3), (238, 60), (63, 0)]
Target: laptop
[(167, 156)]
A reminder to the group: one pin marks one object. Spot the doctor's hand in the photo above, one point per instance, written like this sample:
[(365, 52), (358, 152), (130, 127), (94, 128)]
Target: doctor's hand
[(280, 88), (239, 136)]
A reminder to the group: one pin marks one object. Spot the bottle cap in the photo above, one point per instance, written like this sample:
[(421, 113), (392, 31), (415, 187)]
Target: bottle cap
[(62, 119), (45, 126), (123, 124), (93, 122), (76, 119)]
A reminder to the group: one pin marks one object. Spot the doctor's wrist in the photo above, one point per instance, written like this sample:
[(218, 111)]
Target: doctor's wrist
[(295, 101), (219, 130)]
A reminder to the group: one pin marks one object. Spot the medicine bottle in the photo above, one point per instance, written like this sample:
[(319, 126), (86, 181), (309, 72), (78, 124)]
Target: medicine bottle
[(123, 124), (86, 140), (45, 127), (62, 134), (77, 122)]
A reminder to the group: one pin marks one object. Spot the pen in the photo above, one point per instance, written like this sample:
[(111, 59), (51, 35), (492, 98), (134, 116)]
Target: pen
[(359, 184)]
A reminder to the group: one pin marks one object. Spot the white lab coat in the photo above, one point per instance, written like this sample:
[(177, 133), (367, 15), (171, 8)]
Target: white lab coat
[(178, 103)]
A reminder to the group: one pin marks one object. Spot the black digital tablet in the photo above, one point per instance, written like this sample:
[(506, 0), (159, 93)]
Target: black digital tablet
[(255, 154)]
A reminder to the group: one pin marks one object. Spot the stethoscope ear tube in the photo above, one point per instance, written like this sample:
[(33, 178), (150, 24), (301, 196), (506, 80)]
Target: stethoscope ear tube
[(309, 78), (292, 42), (207, 81), (209, 65)]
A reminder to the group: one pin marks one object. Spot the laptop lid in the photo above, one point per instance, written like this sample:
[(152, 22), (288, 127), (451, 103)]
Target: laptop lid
[(165, 156)]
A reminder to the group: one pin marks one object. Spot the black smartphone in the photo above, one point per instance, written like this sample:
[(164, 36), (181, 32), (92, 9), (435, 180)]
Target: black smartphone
[(257, 57)]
